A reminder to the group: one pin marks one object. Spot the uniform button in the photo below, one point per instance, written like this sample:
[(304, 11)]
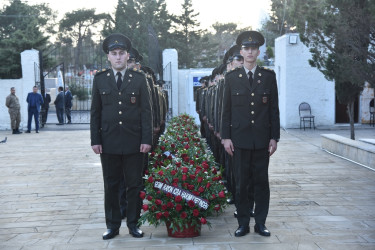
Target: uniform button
[(119, 93), (119, 103), (252, 94), (120, 123), (120, 112), (252, 112), (252, 121), (252, 104)]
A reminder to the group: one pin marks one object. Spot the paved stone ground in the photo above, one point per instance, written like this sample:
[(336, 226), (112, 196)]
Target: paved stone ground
[(51, 197)]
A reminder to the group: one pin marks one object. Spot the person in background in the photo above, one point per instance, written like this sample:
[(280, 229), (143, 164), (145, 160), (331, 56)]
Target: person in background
[(14, 107), (34, 100), (59, 105), (47, 100), (68, 104)]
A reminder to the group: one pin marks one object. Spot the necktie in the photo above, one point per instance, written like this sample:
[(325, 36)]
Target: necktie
[(119, 80), (250, 79)]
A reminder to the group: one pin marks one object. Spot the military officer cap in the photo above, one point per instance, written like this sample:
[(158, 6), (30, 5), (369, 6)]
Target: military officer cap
[(227, 58), (116, 41), (133, 53), (234, 52), (250, 39)]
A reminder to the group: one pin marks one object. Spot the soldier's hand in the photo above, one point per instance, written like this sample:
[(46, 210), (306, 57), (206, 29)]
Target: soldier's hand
[(97, 149), (145, 148), (228, 145), (272, 146)]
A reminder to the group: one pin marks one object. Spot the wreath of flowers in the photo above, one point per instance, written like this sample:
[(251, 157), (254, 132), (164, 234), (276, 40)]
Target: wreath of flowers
[(183, 183)]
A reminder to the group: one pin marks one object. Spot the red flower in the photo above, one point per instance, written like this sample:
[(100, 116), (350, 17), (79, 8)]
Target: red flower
[(192, 176), (175, 180), (196, 193), (161, 173), (164, 207), (178, 198), (173, 172), (213, 196), (146, 171), (205, 165), (201, 189), (203, 220), (185, 169), (159, 215), (217, 207), (183, 215), (195, 212), (170, 204), (191, 187), (174, 184), (208, 185), (162, 148), (178, 164), (184, 177), (152, 154), (150, 179), (158, 202), (142, 195), (145, 207), (191, 162), (187, 146), (184, 135), (199, 179), (214, 171), (173, 145), (186, 139), (221, 194), (191, 203), (153, 208), (169, 195), (178, 207), (166, 214)]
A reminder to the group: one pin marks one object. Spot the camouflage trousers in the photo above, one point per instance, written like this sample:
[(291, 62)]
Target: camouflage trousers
[(15, 118)]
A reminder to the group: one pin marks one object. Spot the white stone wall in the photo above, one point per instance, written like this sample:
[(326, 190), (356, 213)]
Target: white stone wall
[(186, 90), (170, 56), (299, 82), (23, 87), (364, 104)]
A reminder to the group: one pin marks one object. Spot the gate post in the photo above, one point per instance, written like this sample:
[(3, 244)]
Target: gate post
[(28, 59), (170, 56)]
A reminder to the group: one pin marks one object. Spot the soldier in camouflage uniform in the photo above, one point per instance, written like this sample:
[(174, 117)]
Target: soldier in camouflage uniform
[(14, 108)]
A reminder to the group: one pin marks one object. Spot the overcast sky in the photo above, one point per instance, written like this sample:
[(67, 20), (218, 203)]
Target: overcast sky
[(243, 12)]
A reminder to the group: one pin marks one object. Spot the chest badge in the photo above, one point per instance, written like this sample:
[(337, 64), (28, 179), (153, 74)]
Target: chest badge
[(133, 99), (265, 99)]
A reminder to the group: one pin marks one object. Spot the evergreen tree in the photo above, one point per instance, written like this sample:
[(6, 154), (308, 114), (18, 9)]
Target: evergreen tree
[(187, 35), (22, 27), (77, 26)]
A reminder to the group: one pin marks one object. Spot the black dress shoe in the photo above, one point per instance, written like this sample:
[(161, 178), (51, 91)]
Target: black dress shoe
[(37, 131), (135, 232), (262, 230), (110, 233), (242, 231), (27, 131)]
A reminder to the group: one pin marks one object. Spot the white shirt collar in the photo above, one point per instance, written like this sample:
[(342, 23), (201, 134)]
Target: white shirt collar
[(252, 70)]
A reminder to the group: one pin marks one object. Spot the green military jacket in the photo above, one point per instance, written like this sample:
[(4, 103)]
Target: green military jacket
[(250, 116), (121, 120)]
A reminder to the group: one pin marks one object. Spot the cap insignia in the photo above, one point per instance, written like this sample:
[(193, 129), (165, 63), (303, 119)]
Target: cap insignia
[(250, 39), (240, 75), (260, 74), (108, 74)]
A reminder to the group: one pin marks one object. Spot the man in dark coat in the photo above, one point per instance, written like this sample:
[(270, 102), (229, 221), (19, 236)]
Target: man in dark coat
[(68, 105), (34, 101), (121, 132), (47, 100), (251, 129), (59, 105)]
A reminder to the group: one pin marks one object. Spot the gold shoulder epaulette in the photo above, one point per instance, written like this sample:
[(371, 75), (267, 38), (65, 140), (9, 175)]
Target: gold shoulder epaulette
[(267, 69)]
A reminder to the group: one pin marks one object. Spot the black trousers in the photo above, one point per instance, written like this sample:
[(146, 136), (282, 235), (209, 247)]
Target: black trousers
[(114, 166), (251, 168)]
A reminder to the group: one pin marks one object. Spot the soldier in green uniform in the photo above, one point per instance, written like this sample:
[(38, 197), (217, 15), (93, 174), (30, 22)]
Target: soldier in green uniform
[(14, 107), (251, 130), (121, 132)]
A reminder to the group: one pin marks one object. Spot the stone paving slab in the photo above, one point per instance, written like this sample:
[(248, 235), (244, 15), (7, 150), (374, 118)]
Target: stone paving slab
[(51, 197)]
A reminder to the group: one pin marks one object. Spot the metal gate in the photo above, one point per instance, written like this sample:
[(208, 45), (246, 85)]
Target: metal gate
[(167, 87)]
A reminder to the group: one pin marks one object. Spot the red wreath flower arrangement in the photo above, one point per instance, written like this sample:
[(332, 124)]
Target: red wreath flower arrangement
[(183, 183)]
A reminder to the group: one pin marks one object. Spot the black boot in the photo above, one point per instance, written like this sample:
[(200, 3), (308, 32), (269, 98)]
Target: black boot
[(18, 131), (14, 131)]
